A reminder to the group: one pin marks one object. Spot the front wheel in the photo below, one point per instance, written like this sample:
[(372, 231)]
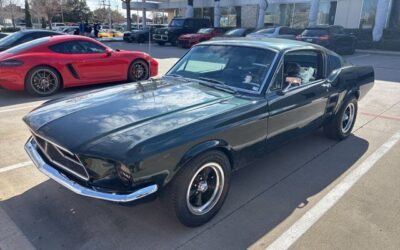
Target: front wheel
[(42, 81), (138, 71), (198, 191), (342, 123)]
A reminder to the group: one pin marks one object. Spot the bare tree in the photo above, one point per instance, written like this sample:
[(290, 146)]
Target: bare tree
[(46, 8), (11, 10)]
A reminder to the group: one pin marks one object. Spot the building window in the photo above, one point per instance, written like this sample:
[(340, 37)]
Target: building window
[(301, 13), (368, 13), (327, 12), (228, 17), (290, 14), (394, 21)]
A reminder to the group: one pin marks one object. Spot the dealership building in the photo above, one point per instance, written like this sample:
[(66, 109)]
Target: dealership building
[(351, 14)]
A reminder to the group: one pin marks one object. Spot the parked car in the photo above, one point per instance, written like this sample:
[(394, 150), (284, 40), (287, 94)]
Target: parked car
[(178, 27), (109, 34), (71, 30), (58, 26), (24, 36), (141, 35), (188, 40), (2, 35), (180, 136), (46, 65), (332, 37), (275, 32), (239, 32)]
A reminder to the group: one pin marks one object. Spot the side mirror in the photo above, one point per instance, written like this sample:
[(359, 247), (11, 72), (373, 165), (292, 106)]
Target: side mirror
[(333, 77), (109, 52)]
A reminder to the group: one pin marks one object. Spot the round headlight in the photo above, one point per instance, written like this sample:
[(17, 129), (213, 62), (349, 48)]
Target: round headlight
[(166, 32)]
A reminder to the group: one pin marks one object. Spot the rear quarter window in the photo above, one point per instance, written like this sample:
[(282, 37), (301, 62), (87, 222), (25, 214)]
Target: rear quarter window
[(334, 62)]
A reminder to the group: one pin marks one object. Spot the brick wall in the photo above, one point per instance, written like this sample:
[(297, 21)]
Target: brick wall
[(249, 16)]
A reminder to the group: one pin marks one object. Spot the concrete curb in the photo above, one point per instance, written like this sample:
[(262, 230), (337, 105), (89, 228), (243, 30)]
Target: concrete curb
[(11, 236), (379, 52)]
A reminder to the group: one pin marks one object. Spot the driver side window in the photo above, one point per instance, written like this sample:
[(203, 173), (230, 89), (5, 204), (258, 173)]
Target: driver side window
[(301, 68)]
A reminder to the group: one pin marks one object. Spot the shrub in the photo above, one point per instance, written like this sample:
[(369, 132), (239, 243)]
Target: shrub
[(9, 29)]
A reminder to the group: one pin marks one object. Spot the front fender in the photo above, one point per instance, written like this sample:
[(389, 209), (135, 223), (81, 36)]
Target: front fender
[(203, 147)]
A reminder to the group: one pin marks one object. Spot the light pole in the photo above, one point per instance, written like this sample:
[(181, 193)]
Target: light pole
[(128, 14)]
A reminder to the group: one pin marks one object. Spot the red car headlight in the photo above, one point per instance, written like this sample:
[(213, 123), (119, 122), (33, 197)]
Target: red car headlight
[(11, 63)]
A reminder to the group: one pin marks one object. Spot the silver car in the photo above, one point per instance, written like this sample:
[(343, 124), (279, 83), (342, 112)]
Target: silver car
[(275, 32)]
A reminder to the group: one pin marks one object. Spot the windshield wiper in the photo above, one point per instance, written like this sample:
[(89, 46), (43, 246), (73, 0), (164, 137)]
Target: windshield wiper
[(177, 76), (219, 84)]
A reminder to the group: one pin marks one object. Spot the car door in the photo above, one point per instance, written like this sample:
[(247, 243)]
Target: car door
[(296, 109), (97, 64)]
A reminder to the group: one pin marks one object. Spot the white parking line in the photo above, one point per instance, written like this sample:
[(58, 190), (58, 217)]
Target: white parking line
[(15, 166), (315, 213)]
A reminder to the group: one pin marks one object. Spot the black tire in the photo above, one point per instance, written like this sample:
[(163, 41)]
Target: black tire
[(161, 43), (42, 81), (174, 41), (138, 65), (178, 195), (338, 128)]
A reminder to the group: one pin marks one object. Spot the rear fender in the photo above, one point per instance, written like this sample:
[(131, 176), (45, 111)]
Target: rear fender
[(351, 81)]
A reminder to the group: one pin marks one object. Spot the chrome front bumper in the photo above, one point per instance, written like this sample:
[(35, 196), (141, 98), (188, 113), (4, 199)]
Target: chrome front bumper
[(30, 148)]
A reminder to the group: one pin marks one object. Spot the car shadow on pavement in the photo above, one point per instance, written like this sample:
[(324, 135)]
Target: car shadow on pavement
[(262, 195)]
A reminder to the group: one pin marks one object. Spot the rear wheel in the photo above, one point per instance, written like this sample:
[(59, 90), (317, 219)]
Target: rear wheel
[(42, 81), (199, 190), (342, 123), (138, 71)]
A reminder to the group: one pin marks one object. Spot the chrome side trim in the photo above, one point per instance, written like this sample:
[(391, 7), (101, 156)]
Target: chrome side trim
[(30, 148)]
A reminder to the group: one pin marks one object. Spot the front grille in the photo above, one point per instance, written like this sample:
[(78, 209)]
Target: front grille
[(62, 158)]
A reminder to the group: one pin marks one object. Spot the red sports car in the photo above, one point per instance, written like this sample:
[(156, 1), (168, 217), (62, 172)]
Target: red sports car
[(48, 64), (188, 40)]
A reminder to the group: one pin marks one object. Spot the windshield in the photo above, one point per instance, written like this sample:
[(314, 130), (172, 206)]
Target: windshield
[(266, 31), (315, 32), (177, 23), (10, 39), (27, 45), (235, 32), (204, 31), (236, 66)]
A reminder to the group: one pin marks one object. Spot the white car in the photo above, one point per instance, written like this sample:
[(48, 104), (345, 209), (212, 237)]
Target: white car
[(58, 26), (275, 32)]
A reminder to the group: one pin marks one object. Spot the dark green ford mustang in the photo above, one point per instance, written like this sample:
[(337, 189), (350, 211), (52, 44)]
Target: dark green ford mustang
[(183, 134)]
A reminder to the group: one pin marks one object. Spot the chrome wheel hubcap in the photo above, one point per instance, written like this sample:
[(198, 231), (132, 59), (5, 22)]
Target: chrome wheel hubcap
[(139, 71), (348, 118), (44, 81), (205, 188)]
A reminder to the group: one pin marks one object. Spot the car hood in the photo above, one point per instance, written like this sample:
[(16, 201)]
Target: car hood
[(140, 110)]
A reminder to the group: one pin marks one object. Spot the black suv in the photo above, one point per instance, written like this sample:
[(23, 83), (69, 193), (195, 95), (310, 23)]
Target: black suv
[(332, 37), (177, 27), (143, 34)]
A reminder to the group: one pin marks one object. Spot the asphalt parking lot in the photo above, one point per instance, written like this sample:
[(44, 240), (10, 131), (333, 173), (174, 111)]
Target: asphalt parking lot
[(268, 198)]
